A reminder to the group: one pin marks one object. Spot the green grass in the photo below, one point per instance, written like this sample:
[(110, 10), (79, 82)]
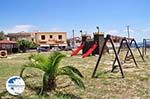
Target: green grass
[(107, 85)]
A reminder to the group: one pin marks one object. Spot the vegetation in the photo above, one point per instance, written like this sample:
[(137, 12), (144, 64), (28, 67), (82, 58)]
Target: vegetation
[(2, 35), (33, 45), (25, 44), (107, 85), (50, 67)]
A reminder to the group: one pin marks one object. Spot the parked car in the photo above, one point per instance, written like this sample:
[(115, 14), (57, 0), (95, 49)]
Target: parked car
[(42, 49), (68, 48)]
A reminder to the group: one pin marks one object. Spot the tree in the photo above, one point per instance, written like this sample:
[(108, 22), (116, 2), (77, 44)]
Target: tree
[(23, 45), (51, 68), (33, 45), (2, 35)]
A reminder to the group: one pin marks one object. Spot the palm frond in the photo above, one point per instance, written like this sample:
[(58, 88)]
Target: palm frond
[(72, 75), (38, 61), (54, 61), (39, 58), (50, 66), (22, 70), (73, 69), (45, 84), (40, 66)]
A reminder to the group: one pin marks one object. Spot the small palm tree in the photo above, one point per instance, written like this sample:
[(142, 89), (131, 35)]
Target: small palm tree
[(50, 67)]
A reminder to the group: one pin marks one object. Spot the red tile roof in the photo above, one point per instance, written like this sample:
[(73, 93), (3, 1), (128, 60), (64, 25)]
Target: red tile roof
[(7, 42)]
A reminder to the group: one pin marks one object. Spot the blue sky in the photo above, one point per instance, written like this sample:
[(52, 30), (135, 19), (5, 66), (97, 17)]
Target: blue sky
[(112, 16)]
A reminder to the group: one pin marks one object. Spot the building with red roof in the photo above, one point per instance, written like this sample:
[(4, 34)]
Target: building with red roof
[(7, 42), (10, 46)]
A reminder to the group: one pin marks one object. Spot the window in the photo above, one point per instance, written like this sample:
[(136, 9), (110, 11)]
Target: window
[(32, 39), (43, 37), (59, 36), (51, 36)]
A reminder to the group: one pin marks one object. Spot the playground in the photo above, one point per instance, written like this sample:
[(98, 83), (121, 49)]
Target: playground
[(110, 71), (111, 67), (105, 85)]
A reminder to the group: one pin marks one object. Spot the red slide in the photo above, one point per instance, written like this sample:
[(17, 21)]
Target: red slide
[(89, 51), (77, 50)]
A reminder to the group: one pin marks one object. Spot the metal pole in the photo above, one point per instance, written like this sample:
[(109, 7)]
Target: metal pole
[(131, 52), (100, 55), (128, 51), (108, 37), (73, 39), (138, 50), (113, 67), (117, 57), (143, 48), (128, 31), (133, 40)]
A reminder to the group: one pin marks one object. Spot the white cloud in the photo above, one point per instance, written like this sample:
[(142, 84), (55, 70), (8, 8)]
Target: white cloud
[(112, 32), (146, 30), (19, 28)]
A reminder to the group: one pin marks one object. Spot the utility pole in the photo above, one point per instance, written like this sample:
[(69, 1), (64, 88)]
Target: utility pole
[(73, 39), (128, 27)]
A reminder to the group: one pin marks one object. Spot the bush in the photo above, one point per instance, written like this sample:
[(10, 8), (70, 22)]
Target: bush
[(25, 44)]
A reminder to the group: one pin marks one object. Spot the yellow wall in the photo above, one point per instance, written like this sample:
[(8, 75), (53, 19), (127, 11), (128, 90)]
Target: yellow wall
[(54, 40)]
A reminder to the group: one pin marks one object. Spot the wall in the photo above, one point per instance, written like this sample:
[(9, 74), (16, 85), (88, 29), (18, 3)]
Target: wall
[(51, 41)]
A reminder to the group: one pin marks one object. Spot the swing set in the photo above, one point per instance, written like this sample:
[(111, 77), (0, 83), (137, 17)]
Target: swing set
[(128, 43)]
